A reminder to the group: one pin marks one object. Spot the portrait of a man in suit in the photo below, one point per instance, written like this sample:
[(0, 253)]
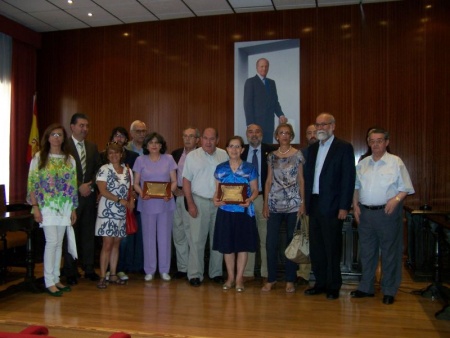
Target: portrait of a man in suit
[(261, 101)]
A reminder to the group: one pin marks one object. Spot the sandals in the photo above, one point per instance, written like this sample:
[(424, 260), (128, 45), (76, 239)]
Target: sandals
[(290, 288), (102, 283), (269, 286), (113, 279)]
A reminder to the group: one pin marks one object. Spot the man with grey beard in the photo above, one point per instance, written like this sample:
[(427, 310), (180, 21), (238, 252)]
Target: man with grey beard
[(329, 184)]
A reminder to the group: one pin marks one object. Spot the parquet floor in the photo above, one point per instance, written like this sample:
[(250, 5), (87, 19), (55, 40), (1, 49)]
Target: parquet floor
[(175, 309)]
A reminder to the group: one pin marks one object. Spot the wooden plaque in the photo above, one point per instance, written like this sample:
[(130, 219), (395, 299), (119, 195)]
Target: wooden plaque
[(156, 189), (233, 193)]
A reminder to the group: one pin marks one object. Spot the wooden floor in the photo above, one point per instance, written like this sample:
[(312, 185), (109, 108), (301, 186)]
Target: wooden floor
[(175, 309)]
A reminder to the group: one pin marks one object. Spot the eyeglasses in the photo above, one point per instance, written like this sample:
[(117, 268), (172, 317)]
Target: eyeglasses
[(321, 125), (288, 133), (379, 141), (56, 134), (234, 146), (153, 142), (189, 136), (140, 131), (120, 135)]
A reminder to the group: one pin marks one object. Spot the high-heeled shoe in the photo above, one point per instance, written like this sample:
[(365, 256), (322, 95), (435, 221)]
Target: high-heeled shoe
[(240, 288), (290, 288), (227, 286), (269, 286), (55, 293)]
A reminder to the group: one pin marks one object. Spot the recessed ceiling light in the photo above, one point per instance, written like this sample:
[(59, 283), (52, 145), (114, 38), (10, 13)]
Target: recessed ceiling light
[(89, 14), (70, 1)]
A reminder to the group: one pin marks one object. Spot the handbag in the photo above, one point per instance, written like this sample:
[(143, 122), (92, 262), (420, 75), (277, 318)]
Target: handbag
[(298, 250), (130, 220)]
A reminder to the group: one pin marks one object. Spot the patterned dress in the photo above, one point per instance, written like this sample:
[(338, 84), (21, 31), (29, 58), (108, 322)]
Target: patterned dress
[(111, 215), (55, 189), (284, 195)]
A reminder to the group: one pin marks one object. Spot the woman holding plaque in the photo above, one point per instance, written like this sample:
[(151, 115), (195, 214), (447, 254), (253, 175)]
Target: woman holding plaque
[(53, 195), (284, 191), (155, 179), (235, 232), (113, 182)]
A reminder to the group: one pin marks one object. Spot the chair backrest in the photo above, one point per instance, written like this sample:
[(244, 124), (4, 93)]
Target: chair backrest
[(2, 199)]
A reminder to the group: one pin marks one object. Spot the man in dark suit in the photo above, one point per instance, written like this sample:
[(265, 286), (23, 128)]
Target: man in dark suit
[(261, 101), (256, 152), (180, 230), (329, 179), (87, 159)]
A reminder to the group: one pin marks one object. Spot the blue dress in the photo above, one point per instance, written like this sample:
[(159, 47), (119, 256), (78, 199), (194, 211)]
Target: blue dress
[(235, 229)]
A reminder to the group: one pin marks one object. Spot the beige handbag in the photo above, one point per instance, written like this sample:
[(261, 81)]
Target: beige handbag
[(298, 250)]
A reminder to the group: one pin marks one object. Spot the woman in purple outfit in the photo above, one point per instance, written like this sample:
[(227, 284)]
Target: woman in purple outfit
[(156, 213)]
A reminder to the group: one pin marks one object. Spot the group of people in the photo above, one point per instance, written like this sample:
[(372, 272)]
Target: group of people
[(280, 184)]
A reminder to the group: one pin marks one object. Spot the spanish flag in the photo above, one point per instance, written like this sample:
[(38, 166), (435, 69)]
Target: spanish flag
[(33, 140)]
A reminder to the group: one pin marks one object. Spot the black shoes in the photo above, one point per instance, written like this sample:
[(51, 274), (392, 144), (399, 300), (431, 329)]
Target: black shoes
[(92, 276), (388, 300), (302, 281), (360, 294), (195, 282), (180, 275), (332, 294), (314, 291), (71, 280), (218, 280)]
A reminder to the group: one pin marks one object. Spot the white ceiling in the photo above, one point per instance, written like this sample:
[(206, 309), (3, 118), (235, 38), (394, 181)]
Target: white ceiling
[(54, 15)]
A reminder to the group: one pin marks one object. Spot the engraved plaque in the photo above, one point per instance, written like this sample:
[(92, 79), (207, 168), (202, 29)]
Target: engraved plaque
[(233, 193), (156, 189)]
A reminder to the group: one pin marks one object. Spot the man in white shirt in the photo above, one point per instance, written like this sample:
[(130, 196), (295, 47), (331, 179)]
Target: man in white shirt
[(199, 188), (382, 183)]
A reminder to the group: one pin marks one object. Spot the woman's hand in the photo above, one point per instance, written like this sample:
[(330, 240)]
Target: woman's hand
[(37, 214), (301, 210), (247, 203), (73, 217), (266, 211), (131, 204), (217, 202)]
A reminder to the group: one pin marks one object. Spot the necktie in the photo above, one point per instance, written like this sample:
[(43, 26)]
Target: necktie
[(266, 84), (82, 157), (255, 160)]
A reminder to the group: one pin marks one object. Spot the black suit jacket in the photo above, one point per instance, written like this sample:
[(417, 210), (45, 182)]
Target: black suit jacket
[(92, 161), (176, 154), (265, 150), (337, 178)]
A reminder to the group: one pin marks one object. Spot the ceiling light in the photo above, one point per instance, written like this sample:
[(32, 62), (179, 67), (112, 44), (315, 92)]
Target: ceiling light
[(89, 14)]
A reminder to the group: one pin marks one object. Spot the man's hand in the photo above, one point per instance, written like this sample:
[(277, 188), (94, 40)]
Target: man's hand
[(356, 212), (85, 189), (342, 214), (283, 119), (192, 209)]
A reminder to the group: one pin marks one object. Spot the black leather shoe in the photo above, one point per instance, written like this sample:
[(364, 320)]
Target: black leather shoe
[(333, 294), (302, 281), (195, 281), (360, 294), (218, 280), (314, 291), (180, 275), (72, 280), (388, 300), (92, 276)]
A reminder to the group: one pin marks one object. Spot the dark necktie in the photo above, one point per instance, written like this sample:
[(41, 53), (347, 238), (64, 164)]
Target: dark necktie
[(266, 84), (255, 160)]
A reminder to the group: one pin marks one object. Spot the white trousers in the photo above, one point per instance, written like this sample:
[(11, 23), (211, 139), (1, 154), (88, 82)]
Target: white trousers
[(54, 235)]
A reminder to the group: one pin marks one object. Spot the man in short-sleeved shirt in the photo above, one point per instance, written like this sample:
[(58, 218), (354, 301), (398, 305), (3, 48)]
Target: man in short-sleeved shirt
[(199, 187), (382, 183)]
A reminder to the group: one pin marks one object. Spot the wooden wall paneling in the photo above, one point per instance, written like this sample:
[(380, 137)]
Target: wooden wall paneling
[(387, 68)]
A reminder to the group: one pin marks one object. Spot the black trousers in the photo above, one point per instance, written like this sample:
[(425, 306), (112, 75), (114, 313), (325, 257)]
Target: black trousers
[(85, 236), (325, 240)]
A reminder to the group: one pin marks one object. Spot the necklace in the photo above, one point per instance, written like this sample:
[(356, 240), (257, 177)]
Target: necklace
[(279, 150)]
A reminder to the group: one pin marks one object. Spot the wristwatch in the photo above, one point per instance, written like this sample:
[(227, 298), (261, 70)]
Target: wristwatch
[(118, 200), (397, 199)]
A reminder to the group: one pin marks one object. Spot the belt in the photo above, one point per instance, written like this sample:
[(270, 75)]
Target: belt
[(373, 207)]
